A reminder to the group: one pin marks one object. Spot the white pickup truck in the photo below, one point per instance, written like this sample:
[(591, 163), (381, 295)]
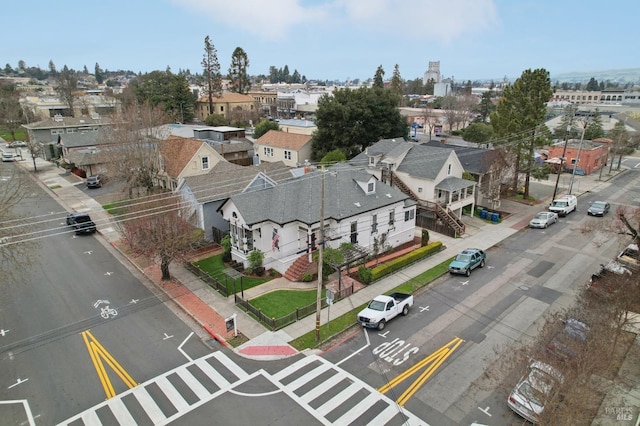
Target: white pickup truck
[(385, 308)]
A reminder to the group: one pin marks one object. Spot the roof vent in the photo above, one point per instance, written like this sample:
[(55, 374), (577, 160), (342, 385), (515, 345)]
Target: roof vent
[(388, 195), (57, 117), (357, 204)]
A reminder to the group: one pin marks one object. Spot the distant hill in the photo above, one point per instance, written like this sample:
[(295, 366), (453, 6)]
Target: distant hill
[(622, 76)]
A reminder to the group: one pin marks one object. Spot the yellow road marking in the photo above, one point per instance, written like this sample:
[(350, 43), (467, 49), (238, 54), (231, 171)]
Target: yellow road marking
[(98, 353), (435, 359)]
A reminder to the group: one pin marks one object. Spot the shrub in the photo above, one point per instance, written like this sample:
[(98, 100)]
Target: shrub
[(248, 271), (365, 275), (255, 259), (425, 238), (226, 243), (260, 271), (307, 277), (409, 258)]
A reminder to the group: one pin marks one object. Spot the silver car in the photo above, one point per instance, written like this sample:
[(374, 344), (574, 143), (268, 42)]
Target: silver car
[(534, 390), (543, 219)]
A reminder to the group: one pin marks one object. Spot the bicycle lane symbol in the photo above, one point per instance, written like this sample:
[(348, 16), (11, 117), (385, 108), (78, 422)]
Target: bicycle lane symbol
[(105, 311)]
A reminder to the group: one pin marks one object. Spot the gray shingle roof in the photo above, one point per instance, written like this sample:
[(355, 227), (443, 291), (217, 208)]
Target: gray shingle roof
[(416, 160), (453, 183), (226, 179), (473, 160), (299, 199)]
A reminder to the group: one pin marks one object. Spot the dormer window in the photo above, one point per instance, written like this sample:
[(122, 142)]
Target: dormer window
[(371, 187), (372, 161), (205, 163), (449, 170)]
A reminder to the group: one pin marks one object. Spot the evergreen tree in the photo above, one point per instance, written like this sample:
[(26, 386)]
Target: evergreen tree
[(594, 128), (211, 72), (397, 85), (238, 71), (52, 67), (519, 118), (352, 120), (98, 74), (378, 78), (592, 85)]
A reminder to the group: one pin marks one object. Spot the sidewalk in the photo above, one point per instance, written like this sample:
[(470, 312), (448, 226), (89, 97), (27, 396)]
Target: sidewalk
[(209, 309)]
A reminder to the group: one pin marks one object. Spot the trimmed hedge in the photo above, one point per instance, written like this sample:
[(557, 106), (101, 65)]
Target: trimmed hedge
[(409, 258)]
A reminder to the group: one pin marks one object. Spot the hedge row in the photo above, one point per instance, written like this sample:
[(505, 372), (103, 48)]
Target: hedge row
[(402, 261)]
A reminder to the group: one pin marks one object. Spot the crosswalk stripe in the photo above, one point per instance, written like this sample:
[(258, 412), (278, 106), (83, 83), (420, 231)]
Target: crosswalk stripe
[(308, 377), (232, 366), (119, 411), (357, 410), (385, 416), (91, 418), (338, 399), (319, 390), (293, 368), (217, 378), (193, 383), (148, 404), (172, 393)]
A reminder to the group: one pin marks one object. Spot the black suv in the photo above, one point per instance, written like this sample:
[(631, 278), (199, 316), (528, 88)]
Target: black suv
[(94, 181), (81, 222)]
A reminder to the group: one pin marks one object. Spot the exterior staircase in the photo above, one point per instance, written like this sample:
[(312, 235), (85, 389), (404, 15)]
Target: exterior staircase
[(447, 217), (300, 267)]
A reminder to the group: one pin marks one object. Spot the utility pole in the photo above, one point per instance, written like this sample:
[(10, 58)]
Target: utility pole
[(564, 154), (575, 164), (320, 260)]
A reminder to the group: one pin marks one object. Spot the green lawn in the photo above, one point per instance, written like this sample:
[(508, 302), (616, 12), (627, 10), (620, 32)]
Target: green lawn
[(21, 134), (214, 266), (345, 321), (279, 303)]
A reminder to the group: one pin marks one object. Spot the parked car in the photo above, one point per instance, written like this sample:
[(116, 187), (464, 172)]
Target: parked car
[(543, 219), (7, 156), (81, 222), (564, 205), (630, 257), (467, 260), (94, 181), (383, 309), (607, 279), (534, 390), (567, 343), (17, 144), (598, 208)]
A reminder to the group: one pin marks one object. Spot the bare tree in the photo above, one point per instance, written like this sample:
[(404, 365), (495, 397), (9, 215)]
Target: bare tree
[(450, 109), (66, 87), (157, 230), (15, 250), (431, 119), (132, 146)]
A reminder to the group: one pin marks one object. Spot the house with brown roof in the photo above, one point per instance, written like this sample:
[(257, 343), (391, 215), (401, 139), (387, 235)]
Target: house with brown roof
[(230, 105), (183, 157), (290, 148)]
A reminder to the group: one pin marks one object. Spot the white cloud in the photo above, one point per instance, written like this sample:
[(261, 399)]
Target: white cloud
[(432, 20), (270, 20)]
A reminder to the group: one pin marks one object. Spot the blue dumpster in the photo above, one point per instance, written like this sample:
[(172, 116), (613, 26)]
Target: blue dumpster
[(494, 217), (483, 214)]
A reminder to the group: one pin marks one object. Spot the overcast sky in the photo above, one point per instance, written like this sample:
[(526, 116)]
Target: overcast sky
[(328, 39)]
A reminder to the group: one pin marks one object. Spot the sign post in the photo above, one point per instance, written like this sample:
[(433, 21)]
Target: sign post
[(231, 324), (329, 294)]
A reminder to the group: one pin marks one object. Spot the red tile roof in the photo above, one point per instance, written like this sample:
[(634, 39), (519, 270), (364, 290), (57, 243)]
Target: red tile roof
[(279, 139)]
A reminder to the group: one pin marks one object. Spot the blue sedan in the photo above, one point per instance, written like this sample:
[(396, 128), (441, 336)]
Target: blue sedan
[(467, 260)]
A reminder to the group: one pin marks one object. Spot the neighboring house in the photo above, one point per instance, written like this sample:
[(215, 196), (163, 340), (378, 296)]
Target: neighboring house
[(90, 103), (291, 148), (487, 166), (303, 127), (64, 134), (265, 100), (182, 157), (593, 156), (230, 105), (432, 176), (236, 151), (91, 161), (204, 194), (283, 221)]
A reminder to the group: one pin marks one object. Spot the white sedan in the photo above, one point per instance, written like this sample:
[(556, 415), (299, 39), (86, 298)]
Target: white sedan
[(543, 219)]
